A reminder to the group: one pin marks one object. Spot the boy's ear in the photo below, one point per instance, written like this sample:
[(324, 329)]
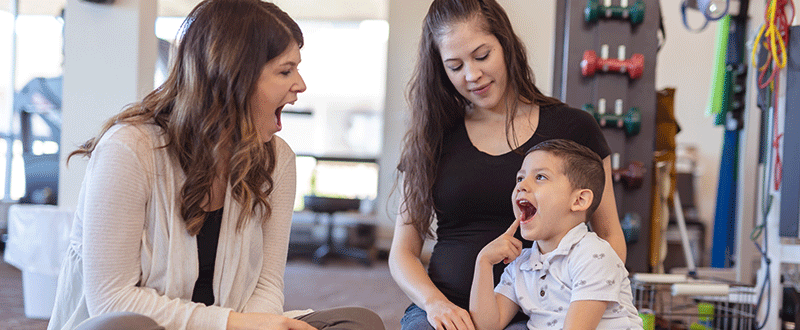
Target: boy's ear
[(582, 200)]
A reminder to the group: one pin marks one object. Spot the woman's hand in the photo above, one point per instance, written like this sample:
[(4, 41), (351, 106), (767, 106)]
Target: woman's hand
[(445, 315), (247, 321)]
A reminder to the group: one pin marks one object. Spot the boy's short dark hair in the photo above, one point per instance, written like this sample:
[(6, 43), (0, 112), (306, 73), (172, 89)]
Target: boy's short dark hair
[(582, 166)]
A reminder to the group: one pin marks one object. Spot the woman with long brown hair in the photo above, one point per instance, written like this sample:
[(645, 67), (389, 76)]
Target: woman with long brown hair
[(185, 210), (474, 110)]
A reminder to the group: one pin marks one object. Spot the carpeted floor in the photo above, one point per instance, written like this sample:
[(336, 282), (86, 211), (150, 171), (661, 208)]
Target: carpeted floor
[(12, 314), (339, 283)]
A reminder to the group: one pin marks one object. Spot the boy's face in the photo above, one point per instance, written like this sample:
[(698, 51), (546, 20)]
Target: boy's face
[(543, 200)]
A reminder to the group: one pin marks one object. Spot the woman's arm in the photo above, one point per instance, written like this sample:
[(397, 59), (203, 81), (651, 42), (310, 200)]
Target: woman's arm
[(605, 220), (117, 188), (409, 273), (268, 295)]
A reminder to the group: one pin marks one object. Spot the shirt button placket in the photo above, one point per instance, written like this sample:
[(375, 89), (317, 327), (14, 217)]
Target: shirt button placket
[(541, 291)]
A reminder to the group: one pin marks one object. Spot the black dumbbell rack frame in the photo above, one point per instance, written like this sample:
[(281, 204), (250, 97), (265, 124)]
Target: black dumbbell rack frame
[(574, 36)]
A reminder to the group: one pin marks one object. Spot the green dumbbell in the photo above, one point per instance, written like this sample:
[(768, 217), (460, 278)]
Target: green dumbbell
[(594, 11), (630, 122)]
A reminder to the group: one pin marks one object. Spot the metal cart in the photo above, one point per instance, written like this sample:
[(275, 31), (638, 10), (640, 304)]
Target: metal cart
[(679, 302)]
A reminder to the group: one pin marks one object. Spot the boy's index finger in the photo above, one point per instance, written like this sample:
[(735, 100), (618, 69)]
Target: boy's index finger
[(513, 228)]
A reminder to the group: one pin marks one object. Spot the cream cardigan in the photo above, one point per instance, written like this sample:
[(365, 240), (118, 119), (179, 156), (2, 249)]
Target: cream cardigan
[(130, 251)]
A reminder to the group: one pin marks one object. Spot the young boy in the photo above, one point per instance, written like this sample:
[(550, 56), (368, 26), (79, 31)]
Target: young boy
[(569, 278)]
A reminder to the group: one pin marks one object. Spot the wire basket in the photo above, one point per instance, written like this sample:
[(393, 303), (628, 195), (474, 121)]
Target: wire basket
[(680, 303)]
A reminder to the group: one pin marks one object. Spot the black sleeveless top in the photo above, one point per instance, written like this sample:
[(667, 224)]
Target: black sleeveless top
[(207, 241), (472, 195)]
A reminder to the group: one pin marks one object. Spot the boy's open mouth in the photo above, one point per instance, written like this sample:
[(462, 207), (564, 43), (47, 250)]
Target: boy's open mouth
[(527, 209)]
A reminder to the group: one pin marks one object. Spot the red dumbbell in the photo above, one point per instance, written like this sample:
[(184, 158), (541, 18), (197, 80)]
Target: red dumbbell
[(592, 63), (632, 176)]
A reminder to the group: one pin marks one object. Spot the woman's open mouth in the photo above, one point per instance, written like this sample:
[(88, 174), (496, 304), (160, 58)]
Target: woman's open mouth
[(278, 116), (527, 209)]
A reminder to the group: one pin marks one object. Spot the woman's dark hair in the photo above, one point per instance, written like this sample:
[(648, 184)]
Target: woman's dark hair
[(582, 167), (203, 107), (436, 105)]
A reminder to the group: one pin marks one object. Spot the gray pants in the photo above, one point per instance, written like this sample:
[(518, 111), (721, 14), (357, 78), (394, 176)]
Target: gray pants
[(345, 318), (120, 321)]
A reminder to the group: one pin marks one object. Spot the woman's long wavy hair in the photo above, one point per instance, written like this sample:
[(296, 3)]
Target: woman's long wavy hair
[(204, 106), (436, 105)]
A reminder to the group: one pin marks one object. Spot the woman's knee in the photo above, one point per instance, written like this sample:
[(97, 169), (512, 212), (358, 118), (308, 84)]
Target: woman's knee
[(415, 318), (119, 321), (351, 318), (363, 316), (416, 324)]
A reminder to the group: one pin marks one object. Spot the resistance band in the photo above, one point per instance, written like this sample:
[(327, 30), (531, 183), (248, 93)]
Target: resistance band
[(776, 31)]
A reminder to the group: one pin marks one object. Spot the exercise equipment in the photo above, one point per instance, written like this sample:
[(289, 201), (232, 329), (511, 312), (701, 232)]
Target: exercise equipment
[(41, 97), (664, 163), (574, 35), (594, 11), (718, 74), (723, 247), (707, 8), (591, 63), (630, 122), (631, 176), (631, 225)]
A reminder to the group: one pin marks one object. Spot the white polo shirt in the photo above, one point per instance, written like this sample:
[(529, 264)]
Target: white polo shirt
[(582, 267)]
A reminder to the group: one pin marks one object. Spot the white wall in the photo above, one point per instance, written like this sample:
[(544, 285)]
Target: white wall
[(346, 89), (405, 27), (109, 62)]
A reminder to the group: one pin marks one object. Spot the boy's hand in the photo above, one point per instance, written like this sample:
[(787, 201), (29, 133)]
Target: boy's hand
[(504, 248)]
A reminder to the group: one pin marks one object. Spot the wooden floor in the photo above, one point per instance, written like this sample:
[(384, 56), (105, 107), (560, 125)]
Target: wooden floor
[(340, 283)]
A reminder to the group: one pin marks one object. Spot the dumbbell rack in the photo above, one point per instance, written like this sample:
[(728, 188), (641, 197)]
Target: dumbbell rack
[(574, 36)]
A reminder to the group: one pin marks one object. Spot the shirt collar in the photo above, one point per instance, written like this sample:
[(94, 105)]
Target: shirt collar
[(569, 240)]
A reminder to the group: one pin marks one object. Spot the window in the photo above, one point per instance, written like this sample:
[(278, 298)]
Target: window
[(342, 178), (338, 121), (340, 115), (344, 67), (39, 55)]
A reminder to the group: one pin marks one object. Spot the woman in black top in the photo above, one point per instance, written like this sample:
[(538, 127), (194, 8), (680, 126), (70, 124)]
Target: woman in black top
[(475, 110)]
